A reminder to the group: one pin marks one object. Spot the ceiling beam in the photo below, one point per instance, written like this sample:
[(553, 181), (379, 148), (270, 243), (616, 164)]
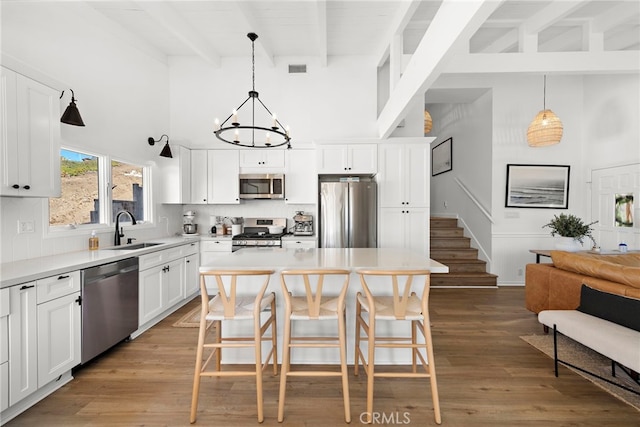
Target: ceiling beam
[(320, 12), (173, 22), (545, 62), (554, 12), (406, 9), (502, 43), (451, 26), (616, 16), (253, 26)]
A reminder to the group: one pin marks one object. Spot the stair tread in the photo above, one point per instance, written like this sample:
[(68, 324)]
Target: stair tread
[(459, 261), (466, 274)]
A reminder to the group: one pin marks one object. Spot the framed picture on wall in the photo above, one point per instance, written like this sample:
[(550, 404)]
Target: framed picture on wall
[(441, 157), (537, 186)]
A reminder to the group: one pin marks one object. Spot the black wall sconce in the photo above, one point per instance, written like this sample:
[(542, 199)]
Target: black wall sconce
[(71, 115), (166, 150)]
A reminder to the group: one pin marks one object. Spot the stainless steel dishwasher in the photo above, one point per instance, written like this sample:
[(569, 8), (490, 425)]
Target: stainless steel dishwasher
[(109, 305)]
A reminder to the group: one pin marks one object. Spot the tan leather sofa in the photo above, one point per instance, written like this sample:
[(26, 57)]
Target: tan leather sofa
[(556, 286)]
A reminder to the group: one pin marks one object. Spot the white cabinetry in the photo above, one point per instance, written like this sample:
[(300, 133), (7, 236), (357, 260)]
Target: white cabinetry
[(29, 137), (301, 179), (4, 348), (403, 186), (299, 243), (191, 274), (224, 185), (405, 228), (176, 175), (59, 324), (404, 175), (161, 282), (348, 159), (212, 249), (262, 159), (199, 180), (23, 352)]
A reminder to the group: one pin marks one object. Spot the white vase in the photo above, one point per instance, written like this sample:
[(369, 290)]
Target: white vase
[(568, 244)]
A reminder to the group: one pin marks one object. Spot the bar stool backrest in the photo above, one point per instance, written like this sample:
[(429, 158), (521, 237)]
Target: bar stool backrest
[(227, 285), (401, 291), (314, 287)]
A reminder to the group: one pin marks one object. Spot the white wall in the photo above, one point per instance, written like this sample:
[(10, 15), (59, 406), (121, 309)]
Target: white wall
[(122, 95), (600, 118), (333, 102)]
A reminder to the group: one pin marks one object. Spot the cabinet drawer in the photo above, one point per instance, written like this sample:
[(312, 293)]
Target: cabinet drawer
[(57, 286), (216, 246), (159, 257), (190, 249)]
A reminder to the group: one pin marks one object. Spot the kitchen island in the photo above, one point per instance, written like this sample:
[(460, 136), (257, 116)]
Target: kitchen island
[(280, 259)]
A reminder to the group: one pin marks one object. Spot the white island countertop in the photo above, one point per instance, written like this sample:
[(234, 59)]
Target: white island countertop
[(279, 258)]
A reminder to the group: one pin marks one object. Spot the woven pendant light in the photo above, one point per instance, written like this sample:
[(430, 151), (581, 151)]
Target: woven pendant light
[(428, 123), (546, 127)]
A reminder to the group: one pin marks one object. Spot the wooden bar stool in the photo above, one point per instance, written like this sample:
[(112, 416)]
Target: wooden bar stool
[(230, 304), (315, 305), (403, 305)]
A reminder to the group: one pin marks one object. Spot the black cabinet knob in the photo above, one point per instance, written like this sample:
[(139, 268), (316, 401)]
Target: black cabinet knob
[(27, 187), (16, 186)]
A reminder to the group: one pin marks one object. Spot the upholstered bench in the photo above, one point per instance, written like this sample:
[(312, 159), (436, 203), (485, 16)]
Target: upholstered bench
[(606, 323)]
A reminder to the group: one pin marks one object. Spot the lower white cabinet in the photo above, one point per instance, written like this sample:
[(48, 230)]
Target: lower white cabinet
[(213, 249), (299, 243), (59, 336), (4, 348), (23, 351), (406, 228), (191, 274), (165, 279)]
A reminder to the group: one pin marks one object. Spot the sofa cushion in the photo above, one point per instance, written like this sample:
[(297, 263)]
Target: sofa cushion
[(598, 267), (614, 308)]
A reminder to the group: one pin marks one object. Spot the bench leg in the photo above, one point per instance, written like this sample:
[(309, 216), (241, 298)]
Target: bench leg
[(555, 349)]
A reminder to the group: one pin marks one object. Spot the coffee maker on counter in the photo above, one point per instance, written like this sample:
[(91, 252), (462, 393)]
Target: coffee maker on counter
[(303, 224)]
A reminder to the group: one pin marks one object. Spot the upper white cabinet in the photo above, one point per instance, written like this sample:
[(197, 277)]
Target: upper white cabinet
[(301, 179), (404, 175), (347, 159), (199, 180), (262, 159), (223, 181), (29, 137), (176, 176)]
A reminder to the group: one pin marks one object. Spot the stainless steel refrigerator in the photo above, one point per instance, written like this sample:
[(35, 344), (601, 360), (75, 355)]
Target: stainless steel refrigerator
[(348, 214)]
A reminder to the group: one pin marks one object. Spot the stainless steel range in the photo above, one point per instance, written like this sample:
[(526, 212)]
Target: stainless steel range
[(261, 232)]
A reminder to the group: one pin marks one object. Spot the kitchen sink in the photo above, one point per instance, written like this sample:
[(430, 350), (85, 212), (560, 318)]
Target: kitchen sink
[(132, 247)]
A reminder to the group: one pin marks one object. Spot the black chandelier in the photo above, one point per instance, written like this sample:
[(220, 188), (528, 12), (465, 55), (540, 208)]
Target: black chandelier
[(245, 135)]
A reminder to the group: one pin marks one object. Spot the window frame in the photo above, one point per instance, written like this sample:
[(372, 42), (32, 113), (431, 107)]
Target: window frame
[(105, 194)]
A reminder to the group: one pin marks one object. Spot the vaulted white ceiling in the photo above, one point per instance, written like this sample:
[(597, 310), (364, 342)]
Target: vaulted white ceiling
[(440, 36)]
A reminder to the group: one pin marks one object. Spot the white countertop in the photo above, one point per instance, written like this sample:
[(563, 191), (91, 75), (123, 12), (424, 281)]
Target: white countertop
[(382, 258), (14, 273)]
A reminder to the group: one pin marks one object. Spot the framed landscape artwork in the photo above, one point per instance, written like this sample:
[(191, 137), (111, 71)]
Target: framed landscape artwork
[(537, 186), (441, 157)]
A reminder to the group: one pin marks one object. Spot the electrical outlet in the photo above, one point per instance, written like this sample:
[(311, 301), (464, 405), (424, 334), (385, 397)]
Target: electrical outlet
[(519, 272), (25, 227)]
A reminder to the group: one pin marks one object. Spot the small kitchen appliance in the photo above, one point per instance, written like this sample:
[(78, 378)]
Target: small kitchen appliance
[(188, 227), (303, 224), (256, 233)]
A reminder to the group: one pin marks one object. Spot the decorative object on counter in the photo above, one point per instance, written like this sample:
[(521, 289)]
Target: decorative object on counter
[(188, 227), (71, 115), (245, 135), (572, 229), (546, 127), (94, 243), (166, 150)]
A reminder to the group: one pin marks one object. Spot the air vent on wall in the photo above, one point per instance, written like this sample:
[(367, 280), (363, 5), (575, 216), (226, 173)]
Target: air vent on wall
[(297, 68)]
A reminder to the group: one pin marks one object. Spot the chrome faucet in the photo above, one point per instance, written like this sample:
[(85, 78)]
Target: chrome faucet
[(119, 233)]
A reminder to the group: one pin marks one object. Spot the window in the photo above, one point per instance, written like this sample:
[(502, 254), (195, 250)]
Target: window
[(92, 192), (79, 202)]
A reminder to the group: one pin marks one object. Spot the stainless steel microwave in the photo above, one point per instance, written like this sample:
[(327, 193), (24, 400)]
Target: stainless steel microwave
[(262, 186)]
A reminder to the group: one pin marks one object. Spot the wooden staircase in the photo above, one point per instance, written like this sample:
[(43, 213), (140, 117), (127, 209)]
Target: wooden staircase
[(449, 246)]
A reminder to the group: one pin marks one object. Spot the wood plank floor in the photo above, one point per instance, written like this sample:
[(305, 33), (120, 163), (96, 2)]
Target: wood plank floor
[(487, 376)]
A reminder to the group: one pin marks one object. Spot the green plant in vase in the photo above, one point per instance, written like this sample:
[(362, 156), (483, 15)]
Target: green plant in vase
[(571, 226)]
